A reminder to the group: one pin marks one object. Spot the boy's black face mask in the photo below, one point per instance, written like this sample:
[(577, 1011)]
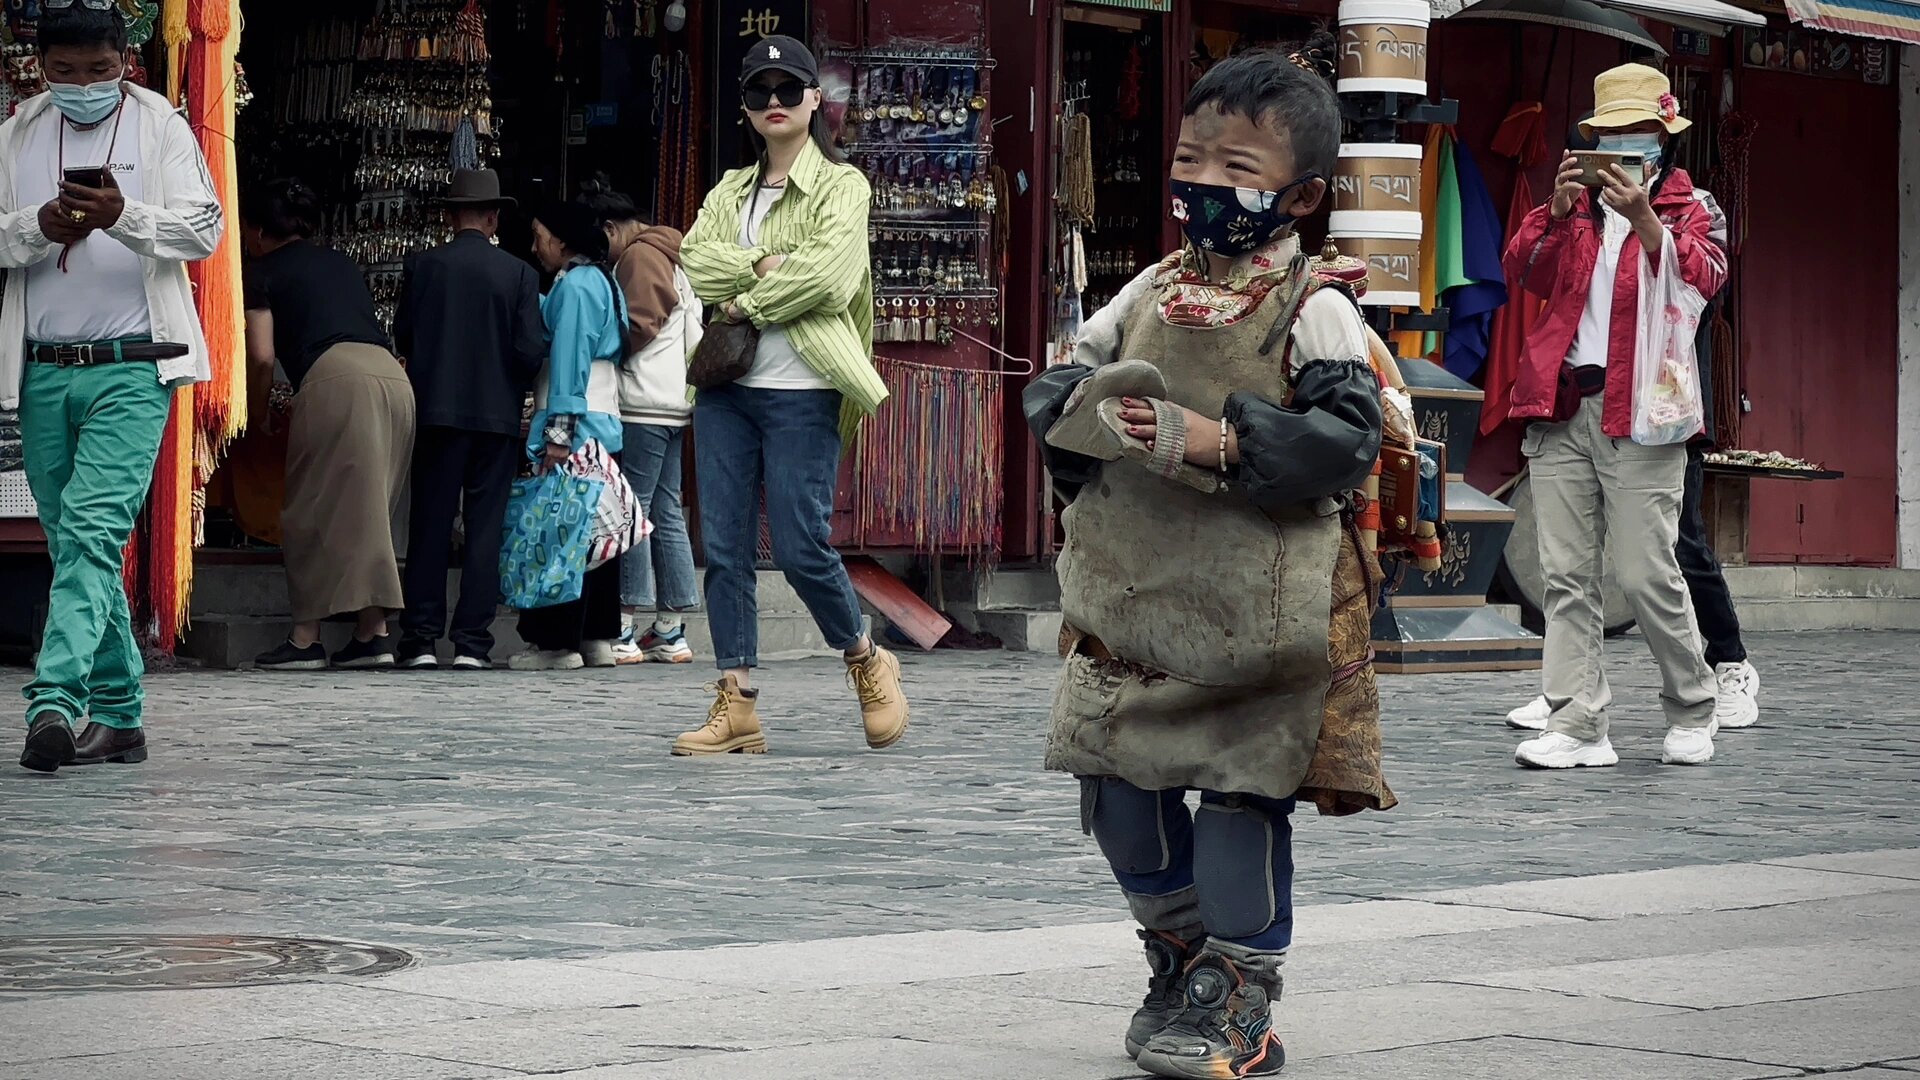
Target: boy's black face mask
[(1231, 221)]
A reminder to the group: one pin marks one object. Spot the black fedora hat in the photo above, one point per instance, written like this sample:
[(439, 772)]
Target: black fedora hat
[(477, 187)]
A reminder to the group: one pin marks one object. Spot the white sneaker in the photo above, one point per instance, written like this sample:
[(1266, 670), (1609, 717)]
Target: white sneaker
[(1532, 716), (626, 647), (1688, 746), (1558, 750), (598, 654), (671, 648), (546, 660), (1739, 688)]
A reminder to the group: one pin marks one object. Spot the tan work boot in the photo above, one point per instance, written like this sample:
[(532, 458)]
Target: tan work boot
[(883, 704), (733, 724)]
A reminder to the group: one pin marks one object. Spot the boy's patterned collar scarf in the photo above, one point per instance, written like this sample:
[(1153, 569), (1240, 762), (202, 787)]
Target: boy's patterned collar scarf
[(1188, 299)]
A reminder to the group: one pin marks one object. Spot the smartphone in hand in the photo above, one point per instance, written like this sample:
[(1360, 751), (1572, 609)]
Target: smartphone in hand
[(94, 178), (1594, 163)]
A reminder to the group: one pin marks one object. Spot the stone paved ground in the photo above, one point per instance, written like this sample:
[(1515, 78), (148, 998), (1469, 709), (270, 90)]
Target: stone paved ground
[(528, 838)]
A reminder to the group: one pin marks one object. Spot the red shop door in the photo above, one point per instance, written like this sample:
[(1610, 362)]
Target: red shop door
[(1818, 297)]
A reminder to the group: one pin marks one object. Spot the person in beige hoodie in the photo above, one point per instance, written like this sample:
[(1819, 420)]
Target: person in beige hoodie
[(657, 579)]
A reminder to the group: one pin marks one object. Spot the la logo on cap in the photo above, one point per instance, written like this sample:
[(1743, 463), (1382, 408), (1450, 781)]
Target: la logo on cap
[(773, 52)]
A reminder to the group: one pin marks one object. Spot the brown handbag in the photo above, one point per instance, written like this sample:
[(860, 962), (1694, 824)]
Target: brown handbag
[(724, 355)]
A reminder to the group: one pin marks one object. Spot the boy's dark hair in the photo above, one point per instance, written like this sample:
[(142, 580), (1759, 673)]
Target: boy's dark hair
[(81, 26), (285, 209), (607, 204), (1289, 85)]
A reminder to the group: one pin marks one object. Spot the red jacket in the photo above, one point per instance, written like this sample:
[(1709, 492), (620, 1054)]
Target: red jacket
[(1555, 259)]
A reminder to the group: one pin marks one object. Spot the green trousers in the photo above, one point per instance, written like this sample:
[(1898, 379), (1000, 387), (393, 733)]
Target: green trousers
[(89, 436)]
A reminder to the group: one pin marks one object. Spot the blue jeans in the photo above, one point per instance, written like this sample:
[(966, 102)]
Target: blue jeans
[(1216, 879), (657, 575), (787, 441)]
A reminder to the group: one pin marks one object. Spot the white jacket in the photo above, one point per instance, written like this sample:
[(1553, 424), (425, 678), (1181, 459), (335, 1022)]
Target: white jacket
[(653, 381), (182, 223)]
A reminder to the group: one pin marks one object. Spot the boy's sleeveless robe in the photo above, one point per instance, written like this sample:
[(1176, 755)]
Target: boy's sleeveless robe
[(1213, 644)]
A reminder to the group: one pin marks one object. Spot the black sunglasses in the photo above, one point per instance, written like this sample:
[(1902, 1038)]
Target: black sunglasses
[(758, 98)]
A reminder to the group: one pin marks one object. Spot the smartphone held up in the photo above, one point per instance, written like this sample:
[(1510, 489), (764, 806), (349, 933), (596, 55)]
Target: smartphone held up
[(1595, 163)]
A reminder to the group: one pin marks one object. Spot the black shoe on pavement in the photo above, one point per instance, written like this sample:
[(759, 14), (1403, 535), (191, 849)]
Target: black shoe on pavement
[(49, 742), (470, 662), (360, 655), (418, 655), (100, 743), (287, 656)]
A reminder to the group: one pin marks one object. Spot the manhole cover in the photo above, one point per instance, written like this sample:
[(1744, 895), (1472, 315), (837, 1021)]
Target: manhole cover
[(154, 962)]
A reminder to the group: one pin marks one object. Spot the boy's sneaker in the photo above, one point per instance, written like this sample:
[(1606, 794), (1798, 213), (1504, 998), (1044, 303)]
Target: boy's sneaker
[(658, 648), (1167, 960), (1532, 716), (287, 656), (1557, 750), (1688, 746), (1738, 685), (546, 660), (470, 662), (1227, 1029)]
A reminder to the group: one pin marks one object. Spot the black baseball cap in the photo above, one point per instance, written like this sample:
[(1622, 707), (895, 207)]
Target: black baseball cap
[(780, 53)]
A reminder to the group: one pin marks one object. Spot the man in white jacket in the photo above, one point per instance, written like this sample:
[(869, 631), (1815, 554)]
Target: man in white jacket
[(104, 199)]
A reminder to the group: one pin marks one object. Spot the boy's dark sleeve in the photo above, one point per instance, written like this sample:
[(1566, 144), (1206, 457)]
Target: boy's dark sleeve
[(1045, 398), (1325, 440), (1324, 443)]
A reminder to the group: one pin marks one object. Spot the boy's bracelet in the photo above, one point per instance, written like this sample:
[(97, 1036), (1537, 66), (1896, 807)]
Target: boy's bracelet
[(1223, 444)]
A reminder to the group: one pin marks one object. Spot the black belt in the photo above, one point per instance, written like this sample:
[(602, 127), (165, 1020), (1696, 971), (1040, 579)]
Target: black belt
[(1590, 380), (103, 352)]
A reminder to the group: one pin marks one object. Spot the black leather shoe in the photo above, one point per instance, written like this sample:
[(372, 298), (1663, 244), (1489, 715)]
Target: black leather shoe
[(49, 743), (98, 743)]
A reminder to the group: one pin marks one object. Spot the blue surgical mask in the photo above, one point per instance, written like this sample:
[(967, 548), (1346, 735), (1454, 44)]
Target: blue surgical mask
[(1647, 146), (86, 104), (1231, 221)]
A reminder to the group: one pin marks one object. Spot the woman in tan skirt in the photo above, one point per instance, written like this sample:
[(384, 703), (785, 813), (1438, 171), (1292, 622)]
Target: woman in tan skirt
[(350, 436)]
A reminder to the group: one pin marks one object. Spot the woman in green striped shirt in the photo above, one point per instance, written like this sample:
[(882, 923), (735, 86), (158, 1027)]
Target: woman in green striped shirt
[(783, 244)]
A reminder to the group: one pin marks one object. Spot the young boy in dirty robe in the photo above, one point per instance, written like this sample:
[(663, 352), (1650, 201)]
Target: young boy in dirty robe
[(1210, 432)]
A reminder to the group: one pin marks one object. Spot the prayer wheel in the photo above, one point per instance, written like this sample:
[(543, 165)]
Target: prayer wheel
[(1388, 241), (1383, 46), (1379, 177)]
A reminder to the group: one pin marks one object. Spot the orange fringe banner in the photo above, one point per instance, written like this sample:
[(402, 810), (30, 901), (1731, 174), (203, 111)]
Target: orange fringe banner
[(203, 43)]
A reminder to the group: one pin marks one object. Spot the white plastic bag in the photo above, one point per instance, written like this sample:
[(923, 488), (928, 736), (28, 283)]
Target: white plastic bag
[(1667, 405)]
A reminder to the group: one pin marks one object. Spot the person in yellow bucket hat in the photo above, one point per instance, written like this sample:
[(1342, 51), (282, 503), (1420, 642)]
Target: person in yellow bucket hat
[(1633, 101), (1586, 252), (1738, 682)]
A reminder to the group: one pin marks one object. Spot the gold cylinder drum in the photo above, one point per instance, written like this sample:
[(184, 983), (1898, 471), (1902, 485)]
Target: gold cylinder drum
[(1378, 176), (1389, 243), (1383, 46)]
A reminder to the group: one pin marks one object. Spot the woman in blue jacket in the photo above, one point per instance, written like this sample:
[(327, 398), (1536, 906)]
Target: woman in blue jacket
[(576, 398)]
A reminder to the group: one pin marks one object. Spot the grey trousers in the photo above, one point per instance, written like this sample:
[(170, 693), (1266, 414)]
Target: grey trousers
[(1593, 493)]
